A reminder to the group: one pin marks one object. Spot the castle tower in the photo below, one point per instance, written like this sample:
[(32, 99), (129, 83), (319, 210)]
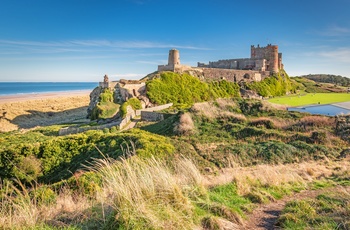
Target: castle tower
[(174, 57), (274, 60)]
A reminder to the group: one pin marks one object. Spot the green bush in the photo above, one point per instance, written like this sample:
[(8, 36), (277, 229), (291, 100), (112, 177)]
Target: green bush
[(106, 95), (58, 157), (44, 195), (133, 102)]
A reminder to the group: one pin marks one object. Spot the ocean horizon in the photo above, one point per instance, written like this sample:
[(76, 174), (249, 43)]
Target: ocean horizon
[(18, 88)]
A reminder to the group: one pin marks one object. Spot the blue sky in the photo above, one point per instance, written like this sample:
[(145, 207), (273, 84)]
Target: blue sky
[(81, 40)]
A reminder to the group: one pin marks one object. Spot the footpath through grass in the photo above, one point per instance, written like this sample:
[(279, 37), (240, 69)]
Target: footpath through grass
[(311, 98)]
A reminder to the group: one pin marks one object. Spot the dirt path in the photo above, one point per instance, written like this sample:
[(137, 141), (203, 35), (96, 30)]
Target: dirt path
[(266, 215)]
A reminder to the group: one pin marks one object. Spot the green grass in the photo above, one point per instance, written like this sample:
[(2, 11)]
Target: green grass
[(311, 98), (326, 211)]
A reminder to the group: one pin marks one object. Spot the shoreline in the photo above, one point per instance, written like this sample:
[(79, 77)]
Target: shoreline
[(11, 98), (26, 111)]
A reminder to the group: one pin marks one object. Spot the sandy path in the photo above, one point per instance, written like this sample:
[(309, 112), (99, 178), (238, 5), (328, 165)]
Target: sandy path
[(28, 111), (266, 215)]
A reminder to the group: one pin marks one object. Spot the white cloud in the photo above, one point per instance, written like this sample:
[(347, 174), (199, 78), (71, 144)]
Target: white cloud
[(153, 62), (339, 54), (335, 31), (83, 45)]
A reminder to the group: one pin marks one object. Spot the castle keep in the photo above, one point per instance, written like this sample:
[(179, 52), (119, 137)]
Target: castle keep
[(261, 59)]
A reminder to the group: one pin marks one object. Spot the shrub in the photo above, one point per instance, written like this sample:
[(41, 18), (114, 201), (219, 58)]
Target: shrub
[(319, 137), (44, 195), (184, 90), (133, 102), (317, 121), (262, 121), (28, 169), (185, 126), (106, 95), (104, 110)]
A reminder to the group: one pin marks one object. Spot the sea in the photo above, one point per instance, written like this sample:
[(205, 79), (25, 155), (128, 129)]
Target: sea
[(15, 88)]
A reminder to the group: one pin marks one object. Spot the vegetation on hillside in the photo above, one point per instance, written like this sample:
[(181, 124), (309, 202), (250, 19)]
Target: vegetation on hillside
[(310, 86), (51, 159), (276, 85), (162, 175), (329, 78), (184, 90)]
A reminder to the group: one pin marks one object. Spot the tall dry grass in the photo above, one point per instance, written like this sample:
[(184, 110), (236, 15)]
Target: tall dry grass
[(149, 194), (136, 194), (247, 178), (22, 209)]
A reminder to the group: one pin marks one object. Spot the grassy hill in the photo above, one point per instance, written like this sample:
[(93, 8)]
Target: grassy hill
[(208, 166), (171, 176)]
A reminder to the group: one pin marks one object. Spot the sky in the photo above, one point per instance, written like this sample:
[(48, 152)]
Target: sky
[(82, 40)]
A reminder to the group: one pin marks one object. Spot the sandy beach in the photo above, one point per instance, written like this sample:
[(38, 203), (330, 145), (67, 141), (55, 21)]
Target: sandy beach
[(27, 111)]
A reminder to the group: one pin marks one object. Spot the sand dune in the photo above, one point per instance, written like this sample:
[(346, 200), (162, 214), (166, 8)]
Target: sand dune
[(31, 110)]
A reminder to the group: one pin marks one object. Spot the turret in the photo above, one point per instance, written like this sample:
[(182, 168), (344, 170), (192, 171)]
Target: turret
[(274, 58), (174, 57)]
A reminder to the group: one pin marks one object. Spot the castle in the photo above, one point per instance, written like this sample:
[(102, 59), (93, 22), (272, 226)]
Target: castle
[(263, 62)]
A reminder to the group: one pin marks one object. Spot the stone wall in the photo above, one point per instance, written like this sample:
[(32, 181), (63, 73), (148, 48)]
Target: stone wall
[(174, 68), (229, 74), (158, 108), (74, 130), (151, 116)]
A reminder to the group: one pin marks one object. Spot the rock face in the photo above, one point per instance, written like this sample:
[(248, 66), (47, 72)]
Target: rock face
[(94, 99)]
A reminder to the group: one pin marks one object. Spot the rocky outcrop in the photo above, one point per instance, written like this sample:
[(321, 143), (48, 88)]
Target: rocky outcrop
[(249, 94), (94, 99)]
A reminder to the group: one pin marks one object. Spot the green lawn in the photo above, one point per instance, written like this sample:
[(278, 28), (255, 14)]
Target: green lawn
[(311, 98)]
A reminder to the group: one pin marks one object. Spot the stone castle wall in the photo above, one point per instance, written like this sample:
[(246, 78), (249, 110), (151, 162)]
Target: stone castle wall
[(232, 75)]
